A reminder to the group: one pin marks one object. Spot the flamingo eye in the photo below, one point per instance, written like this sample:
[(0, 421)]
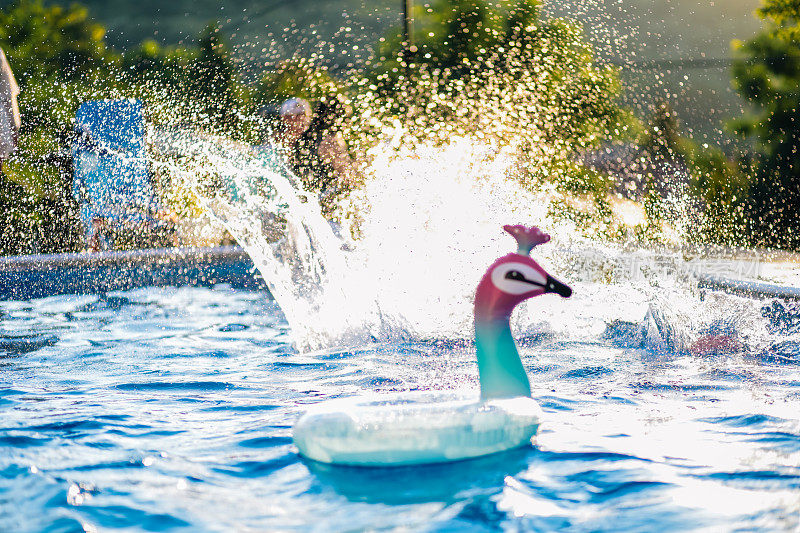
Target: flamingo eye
[(518, 278), (516, 275)]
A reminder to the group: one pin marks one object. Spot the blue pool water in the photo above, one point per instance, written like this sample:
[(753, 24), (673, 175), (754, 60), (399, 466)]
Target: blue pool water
[(171, 410)]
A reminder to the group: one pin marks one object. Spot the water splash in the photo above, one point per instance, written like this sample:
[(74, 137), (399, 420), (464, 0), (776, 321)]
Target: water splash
[(442, 173), (430, 220), (267, 211), (430, 224)]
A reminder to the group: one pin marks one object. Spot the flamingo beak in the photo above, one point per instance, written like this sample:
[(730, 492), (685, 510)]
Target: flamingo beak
[(555, 286)]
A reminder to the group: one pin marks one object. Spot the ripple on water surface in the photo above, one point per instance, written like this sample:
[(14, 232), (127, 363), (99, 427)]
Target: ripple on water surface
[(172, 410)]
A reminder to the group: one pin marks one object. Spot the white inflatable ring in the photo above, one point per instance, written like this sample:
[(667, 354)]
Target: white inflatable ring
[(414, 428)]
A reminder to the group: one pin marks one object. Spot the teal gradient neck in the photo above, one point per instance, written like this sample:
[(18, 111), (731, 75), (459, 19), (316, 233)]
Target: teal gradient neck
[(499, 365), (508, 282)]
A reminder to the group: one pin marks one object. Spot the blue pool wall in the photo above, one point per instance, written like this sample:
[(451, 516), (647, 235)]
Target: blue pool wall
[(37, 276)]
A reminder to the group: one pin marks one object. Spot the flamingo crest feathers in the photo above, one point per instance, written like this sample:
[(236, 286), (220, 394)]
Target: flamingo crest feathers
[(527, 237)]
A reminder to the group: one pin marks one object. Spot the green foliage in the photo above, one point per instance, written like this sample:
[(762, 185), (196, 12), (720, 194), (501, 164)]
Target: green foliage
[(295, 77), (58, 55), (213, 82), (784, 14), (202, 86), (52, 40), (662, 138), (16, 217), (59, 58), (721, 187), (455, 35), (498, 71), (767, 74), (162, 73), (718, 186), (199, 85)]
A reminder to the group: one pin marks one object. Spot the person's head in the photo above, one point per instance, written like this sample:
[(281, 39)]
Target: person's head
[(295, 116)]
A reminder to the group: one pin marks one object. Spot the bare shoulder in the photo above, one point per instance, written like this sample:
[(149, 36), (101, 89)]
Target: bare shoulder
[(332, 141)]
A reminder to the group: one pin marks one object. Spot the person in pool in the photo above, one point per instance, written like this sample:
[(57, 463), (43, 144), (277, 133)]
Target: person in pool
[(783, 318), (720, 337), (295, 118), (316, 150)]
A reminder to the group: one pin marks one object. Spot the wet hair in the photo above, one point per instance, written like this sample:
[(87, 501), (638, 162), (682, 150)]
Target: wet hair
[(326, 116)]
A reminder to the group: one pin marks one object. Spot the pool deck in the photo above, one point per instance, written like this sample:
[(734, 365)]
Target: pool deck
[(36, 276)]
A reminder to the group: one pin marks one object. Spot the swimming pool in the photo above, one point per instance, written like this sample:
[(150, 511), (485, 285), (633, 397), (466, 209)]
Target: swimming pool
[(171, 409)]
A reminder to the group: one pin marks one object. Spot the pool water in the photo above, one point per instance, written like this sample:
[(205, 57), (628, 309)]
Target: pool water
[(171, 410)]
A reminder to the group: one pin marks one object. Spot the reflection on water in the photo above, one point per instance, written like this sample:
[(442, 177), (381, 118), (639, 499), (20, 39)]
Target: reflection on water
[(174, 411), (445, 483)]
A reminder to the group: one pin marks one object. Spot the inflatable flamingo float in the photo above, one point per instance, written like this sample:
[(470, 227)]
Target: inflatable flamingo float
[(433, 427)]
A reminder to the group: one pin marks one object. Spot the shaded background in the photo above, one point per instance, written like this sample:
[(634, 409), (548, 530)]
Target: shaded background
[(676, 50)]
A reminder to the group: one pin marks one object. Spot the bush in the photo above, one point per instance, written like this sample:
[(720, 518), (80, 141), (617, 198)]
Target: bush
[(767, 74)]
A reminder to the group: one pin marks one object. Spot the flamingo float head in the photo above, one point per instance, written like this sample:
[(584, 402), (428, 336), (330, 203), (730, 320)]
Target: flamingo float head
[(510, 280), (516, 277)]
